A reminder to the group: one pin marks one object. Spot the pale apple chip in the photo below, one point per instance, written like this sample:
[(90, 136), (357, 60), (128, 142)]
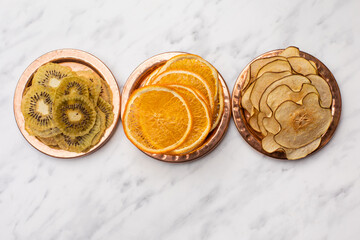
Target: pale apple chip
[(323, 88), (301, 124), (269, 145), (290, 52), (295, 82), (301, 66), (293, 154), (246, 82), (313, 64), (262, 83), (275, 66), (259, 63), (253, 121), (279, 95), (271, 125), (284, 93), (260, 118), (245, 100)]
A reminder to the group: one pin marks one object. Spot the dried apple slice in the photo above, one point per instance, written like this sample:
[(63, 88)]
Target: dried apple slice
[(284, 93), (301, 124), (301, 66), (269, 145), (323, 88), (246, 82), (295, 82), (253, 121), (271, 125), (259, 63), (313, 64), (290, 52), (275, 66), (279, 95), (262, 83), (293, 154), (260, 118), (245, 100)]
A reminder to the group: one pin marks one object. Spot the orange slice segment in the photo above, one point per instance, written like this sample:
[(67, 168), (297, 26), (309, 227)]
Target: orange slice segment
[(201, 119), (218, 108), (195, 64), (185, 78), (157, 119)]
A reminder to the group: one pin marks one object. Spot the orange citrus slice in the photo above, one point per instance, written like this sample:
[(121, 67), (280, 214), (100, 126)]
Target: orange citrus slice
[(187, 79), (195, 64), (149, 77), (218, 109), (201, 119), (157, 119)]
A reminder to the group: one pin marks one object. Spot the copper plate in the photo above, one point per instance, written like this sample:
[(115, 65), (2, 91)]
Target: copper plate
[(135, 81), (78, 61), (253, 137)]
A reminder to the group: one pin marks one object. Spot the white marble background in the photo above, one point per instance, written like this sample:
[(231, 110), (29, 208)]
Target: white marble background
[(233, 193)]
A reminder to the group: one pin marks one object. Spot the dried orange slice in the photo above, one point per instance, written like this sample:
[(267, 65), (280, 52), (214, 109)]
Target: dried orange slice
[(195, 64), (157, 119), (185, 78), (150, 77), (218, 109), (201, 119)]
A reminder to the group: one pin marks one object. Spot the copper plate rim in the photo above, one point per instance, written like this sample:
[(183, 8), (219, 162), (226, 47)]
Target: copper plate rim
[(59, 56), (138, 76), (252, 137)]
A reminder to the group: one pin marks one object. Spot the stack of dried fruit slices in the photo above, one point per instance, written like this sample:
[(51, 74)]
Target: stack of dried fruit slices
[(288, 103), (66, 109), (176, 108)]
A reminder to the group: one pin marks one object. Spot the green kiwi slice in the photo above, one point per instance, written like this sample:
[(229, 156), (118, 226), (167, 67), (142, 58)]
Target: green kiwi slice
[(79, 143), (106, 108), (50, 75), (101, 132), (74, 115), (105, 92), (73, 86), (37, 108), (95, 86)]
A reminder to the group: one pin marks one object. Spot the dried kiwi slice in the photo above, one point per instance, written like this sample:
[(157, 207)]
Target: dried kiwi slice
[(106, 108), (51, 132), (95, 86), (51, 74), (101, 132), (37, 108), (105, 92), (74, 115), (73, 86), (50, 141), (79, 143)]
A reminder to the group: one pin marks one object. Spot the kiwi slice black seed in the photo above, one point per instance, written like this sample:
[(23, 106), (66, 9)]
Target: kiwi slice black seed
[(74, 115), (73, 86), (37, 108), (106, 108), (51, 74), (79, 143)]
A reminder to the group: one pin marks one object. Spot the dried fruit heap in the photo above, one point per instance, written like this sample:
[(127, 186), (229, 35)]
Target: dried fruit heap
[(288, 102), (66, 109), (179, 105)]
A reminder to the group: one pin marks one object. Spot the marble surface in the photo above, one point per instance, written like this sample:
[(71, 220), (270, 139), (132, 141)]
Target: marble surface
[(233, 193)]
